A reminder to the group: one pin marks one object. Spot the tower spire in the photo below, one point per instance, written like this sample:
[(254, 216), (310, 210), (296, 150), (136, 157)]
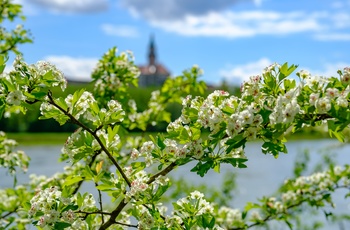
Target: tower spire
[(151, 52)]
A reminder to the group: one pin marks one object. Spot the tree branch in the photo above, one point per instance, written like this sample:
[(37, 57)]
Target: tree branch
[(103, 147)]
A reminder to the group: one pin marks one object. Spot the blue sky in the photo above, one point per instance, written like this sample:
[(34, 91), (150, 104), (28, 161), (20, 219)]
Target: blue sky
[(228, 39)]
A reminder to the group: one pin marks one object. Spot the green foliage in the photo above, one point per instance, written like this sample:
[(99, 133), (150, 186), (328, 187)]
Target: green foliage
[(133, 171), (9, 40)]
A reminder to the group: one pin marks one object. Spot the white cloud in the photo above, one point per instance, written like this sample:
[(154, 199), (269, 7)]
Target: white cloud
[(333, 37), (76, 6), (78, 69), (243, 24), (119, 30), (175, 9), (340, 4), (238, 73)]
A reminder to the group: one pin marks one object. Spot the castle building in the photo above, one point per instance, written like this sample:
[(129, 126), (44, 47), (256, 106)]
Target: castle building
[(154, 73)]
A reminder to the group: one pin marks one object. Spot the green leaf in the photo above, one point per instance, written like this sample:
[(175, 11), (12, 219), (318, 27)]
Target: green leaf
[(201, 169), (235, 162), (236, 142), (160, 142), (208, 221), (61, 225), (72, 207), (160, 191), (72, 180), (334, 129), (112, 132), (285, 71), (196, 133), (138, 165), (273, 148), (250, 206), (106, 187)]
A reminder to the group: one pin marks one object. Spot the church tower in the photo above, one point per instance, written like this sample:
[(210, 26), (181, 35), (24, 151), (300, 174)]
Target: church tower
[(154, 73)]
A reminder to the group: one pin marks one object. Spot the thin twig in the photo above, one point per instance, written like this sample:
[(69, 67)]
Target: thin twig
[(100, 202)]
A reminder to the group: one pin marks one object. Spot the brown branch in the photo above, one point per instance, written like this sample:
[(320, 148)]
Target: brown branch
[(7, 214), (163, 172), (114, 215), (91, 213), (127, 225)]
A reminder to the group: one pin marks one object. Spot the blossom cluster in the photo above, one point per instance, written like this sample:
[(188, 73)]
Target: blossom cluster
[(323, 93), (269, 105), (49, 202), (114, 72), (188, 209), (11, 158), (49, 206), (83, 106), (138, 184)]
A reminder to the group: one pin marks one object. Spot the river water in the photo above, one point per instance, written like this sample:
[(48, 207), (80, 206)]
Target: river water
[(262, 177)]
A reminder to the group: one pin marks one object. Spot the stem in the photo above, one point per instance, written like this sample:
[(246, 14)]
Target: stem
[(7, 214), (271, 217), (100, 202)]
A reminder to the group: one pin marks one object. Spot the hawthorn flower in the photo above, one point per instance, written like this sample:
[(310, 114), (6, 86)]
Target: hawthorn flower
[(138, 185), (332, 93), (313, 98), (250, 133), (182, 152), (173, 221), (246, 117), (255, 216), (345, 78), (289, 196), (323, 105), (147, 147), (171, 147), (15, 97), (271, 68), (197, 149), (304, 74), (69, 216), (229, 217), (342, 102), (196, 195), (134, 154), (89, 202), (44, 67)]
